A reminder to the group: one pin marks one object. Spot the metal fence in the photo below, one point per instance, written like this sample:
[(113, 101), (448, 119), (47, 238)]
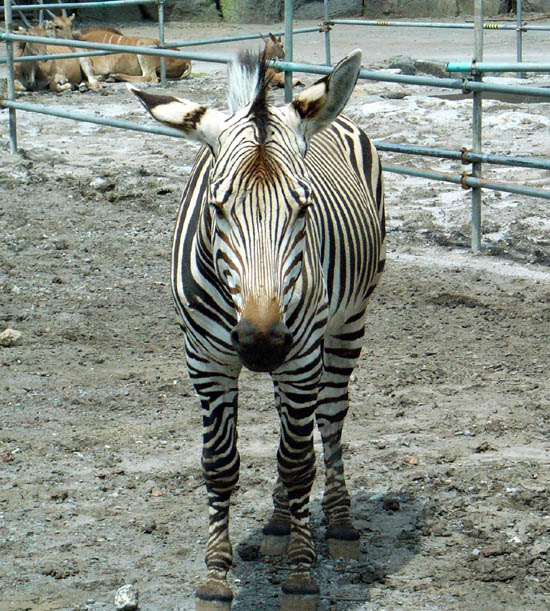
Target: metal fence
[(471, 81)]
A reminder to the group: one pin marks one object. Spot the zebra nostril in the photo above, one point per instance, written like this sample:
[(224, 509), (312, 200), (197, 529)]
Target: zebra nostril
[(235, 338), (243, 336), (280, 337), (261, 350)]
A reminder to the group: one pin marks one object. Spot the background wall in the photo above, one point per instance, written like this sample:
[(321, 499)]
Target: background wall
[(426, 8), (272, 11), (266, 11), (262, 11), (441, 8)]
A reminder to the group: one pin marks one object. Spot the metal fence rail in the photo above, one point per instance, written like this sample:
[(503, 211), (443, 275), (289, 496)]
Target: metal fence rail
[(80, 5), (434, 24), (470, 83)]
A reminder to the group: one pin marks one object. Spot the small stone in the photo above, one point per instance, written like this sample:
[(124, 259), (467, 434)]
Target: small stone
[(372, 574), (391, 503), (59, 495), (7, 457), (483, 447), (102, 185), (410, 460), (61, 244), (407, 65), (493, 550), (10, 337), (127, 598), (149, 527)]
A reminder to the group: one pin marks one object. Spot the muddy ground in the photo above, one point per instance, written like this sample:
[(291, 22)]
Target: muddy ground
[(447, 441)]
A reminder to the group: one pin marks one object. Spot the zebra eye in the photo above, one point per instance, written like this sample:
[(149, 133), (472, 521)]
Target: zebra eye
[(217, 207), (302, 210)]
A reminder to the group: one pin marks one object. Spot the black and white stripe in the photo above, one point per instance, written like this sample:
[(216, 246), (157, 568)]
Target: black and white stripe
[(275, 255)]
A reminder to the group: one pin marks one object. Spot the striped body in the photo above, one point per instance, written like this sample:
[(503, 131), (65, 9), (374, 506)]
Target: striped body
[(278, 244)]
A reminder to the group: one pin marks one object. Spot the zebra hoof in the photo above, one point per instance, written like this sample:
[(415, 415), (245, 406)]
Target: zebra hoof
[(213, 596), (274, 546), (349, 550), (344, 542), (276, 539), (299, 593)]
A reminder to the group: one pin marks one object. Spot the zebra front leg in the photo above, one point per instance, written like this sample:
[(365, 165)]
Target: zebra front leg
[(220, 466), (296, 464), (276, 533)]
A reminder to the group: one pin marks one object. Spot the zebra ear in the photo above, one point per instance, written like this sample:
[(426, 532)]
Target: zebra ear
[(317, 106), (197, 122)]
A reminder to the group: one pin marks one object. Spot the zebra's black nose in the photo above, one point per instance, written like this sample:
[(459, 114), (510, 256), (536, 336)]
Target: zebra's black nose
[(261, 349)]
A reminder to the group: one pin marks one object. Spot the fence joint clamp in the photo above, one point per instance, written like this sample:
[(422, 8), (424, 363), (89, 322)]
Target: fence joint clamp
[(463, 177), (465, 85), (274, 63), (326, 26), (463, 152)]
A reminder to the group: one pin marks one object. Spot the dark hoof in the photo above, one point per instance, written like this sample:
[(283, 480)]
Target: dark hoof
[(276, 538), (213, 596), (344, 533), (274, 546), (276, 529), (300, 593), (343, 542)]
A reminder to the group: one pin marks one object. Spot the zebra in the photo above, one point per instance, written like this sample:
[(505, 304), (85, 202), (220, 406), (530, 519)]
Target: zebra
[(278, 244)]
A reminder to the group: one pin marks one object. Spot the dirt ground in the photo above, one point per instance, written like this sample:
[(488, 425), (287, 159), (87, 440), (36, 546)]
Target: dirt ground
[(448, 436)]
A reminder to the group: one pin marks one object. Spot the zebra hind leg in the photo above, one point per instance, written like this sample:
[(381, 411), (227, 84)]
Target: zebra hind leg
[(343, 538), (299, 592)]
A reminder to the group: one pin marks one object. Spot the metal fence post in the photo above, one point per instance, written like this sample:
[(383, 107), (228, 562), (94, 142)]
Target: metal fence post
[(11, 84), (161, 43), (519, 34), (476, 128), (289, 16), (327, 35)]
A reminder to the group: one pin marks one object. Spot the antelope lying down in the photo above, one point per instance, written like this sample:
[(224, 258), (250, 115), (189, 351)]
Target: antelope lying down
[(58, 75), (121, 66)]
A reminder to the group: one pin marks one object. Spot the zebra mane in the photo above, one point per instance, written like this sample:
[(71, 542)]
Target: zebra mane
[(248, 85)]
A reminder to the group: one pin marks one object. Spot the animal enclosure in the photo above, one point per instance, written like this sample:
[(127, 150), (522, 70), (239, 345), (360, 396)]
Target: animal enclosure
[(470, 83), (447, 437)]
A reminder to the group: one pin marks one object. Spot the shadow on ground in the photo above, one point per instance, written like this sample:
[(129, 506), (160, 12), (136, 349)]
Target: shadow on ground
[(392, 526)]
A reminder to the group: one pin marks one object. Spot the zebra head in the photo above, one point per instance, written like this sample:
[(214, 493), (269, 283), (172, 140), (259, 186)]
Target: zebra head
[(259, 193)]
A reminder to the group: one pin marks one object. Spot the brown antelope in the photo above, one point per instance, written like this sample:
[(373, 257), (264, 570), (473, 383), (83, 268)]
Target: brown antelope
[(121, 66), (56, 74), (22, 71), (274, 49)]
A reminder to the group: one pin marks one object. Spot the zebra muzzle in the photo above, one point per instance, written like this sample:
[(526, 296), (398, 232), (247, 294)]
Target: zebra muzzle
[(261, 349)]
